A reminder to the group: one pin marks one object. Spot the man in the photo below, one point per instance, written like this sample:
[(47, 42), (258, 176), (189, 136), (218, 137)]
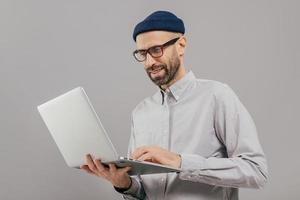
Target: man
[(197, 125)]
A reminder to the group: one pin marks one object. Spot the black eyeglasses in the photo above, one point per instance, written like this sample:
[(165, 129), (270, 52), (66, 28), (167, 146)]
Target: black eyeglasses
[(155, 51)]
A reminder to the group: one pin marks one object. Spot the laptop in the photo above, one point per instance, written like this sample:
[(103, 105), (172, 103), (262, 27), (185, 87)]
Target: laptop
[(77, 131)]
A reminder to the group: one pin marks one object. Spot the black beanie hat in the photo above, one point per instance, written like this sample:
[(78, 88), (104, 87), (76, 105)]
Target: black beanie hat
[(159, 20)]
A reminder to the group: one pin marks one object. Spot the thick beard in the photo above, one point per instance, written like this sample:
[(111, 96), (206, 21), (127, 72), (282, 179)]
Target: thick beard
[(169, 74)]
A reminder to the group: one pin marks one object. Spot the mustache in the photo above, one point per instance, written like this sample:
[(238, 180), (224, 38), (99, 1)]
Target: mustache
[(156, 67)]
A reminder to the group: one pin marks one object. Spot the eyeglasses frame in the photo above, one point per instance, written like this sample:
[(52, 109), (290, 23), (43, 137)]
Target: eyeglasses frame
[(162, 47)]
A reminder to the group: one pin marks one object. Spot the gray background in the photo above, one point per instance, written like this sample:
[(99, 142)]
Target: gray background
[(50, 47)]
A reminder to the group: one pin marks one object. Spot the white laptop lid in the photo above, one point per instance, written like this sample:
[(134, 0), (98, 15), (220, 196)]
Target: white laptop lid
[(76, 129)]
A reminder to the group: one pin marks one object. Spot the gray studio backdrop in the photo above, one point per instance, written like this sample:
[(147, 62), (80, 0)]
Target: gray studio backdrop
[(50, 47)]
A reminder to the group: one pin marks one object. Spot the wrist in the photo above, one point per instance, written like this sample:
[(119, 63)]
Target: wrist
[(125, 187)]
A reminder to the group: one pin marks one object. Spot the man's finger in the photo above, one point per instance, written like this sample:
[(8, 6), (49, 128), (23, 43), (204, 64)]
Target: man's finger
[(101, 168), (125, 169), (139, 152), (87, 169), (91, 163), (112, 168), (146, 157)]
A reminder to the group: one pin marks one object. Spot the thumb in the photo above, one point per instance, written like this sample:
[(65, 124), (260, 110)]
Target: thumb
[(126, 169)]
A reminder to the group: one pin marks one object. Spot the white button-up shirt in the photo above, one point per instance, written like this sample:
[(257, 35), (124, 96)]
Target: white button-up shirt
[(204, 122)]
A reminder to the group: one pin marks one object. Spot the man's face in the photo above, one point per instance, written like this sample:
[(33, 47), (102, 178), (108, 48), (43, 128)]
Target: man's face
[(161, 70)]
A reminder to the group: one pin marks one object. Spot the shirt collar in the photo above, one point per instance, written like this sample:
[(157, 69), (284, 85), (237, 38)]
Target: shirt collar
[(177, 89)]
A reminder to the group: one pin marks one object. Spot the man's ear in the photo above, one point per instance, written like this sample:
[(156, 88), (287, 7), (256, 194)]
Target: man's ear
[(181, 46)]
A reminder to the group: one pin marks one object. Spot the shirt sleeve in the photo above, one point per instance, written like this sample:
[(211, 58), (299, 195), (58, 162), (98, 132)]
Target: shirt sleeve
[(136, 190), (245, 164)]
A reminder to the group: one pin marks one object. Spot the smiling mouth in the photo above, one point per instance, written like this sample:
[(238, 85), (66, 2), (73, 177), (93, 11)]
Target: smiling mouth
[(155, 71)]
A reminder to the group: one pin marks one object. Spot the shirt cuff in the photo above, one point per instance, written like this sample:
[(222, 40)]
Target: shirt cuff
[(121, 190), (190, 163), (132, 189)]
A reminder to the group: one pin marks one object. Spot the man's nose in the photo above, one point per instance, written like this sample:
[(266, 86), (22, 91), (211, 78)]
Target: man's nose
[(149, 61)]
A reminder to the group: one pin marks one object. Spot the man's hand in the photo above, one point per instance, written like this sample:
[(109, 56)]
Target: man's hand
[(118, 177), (158, 155)]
